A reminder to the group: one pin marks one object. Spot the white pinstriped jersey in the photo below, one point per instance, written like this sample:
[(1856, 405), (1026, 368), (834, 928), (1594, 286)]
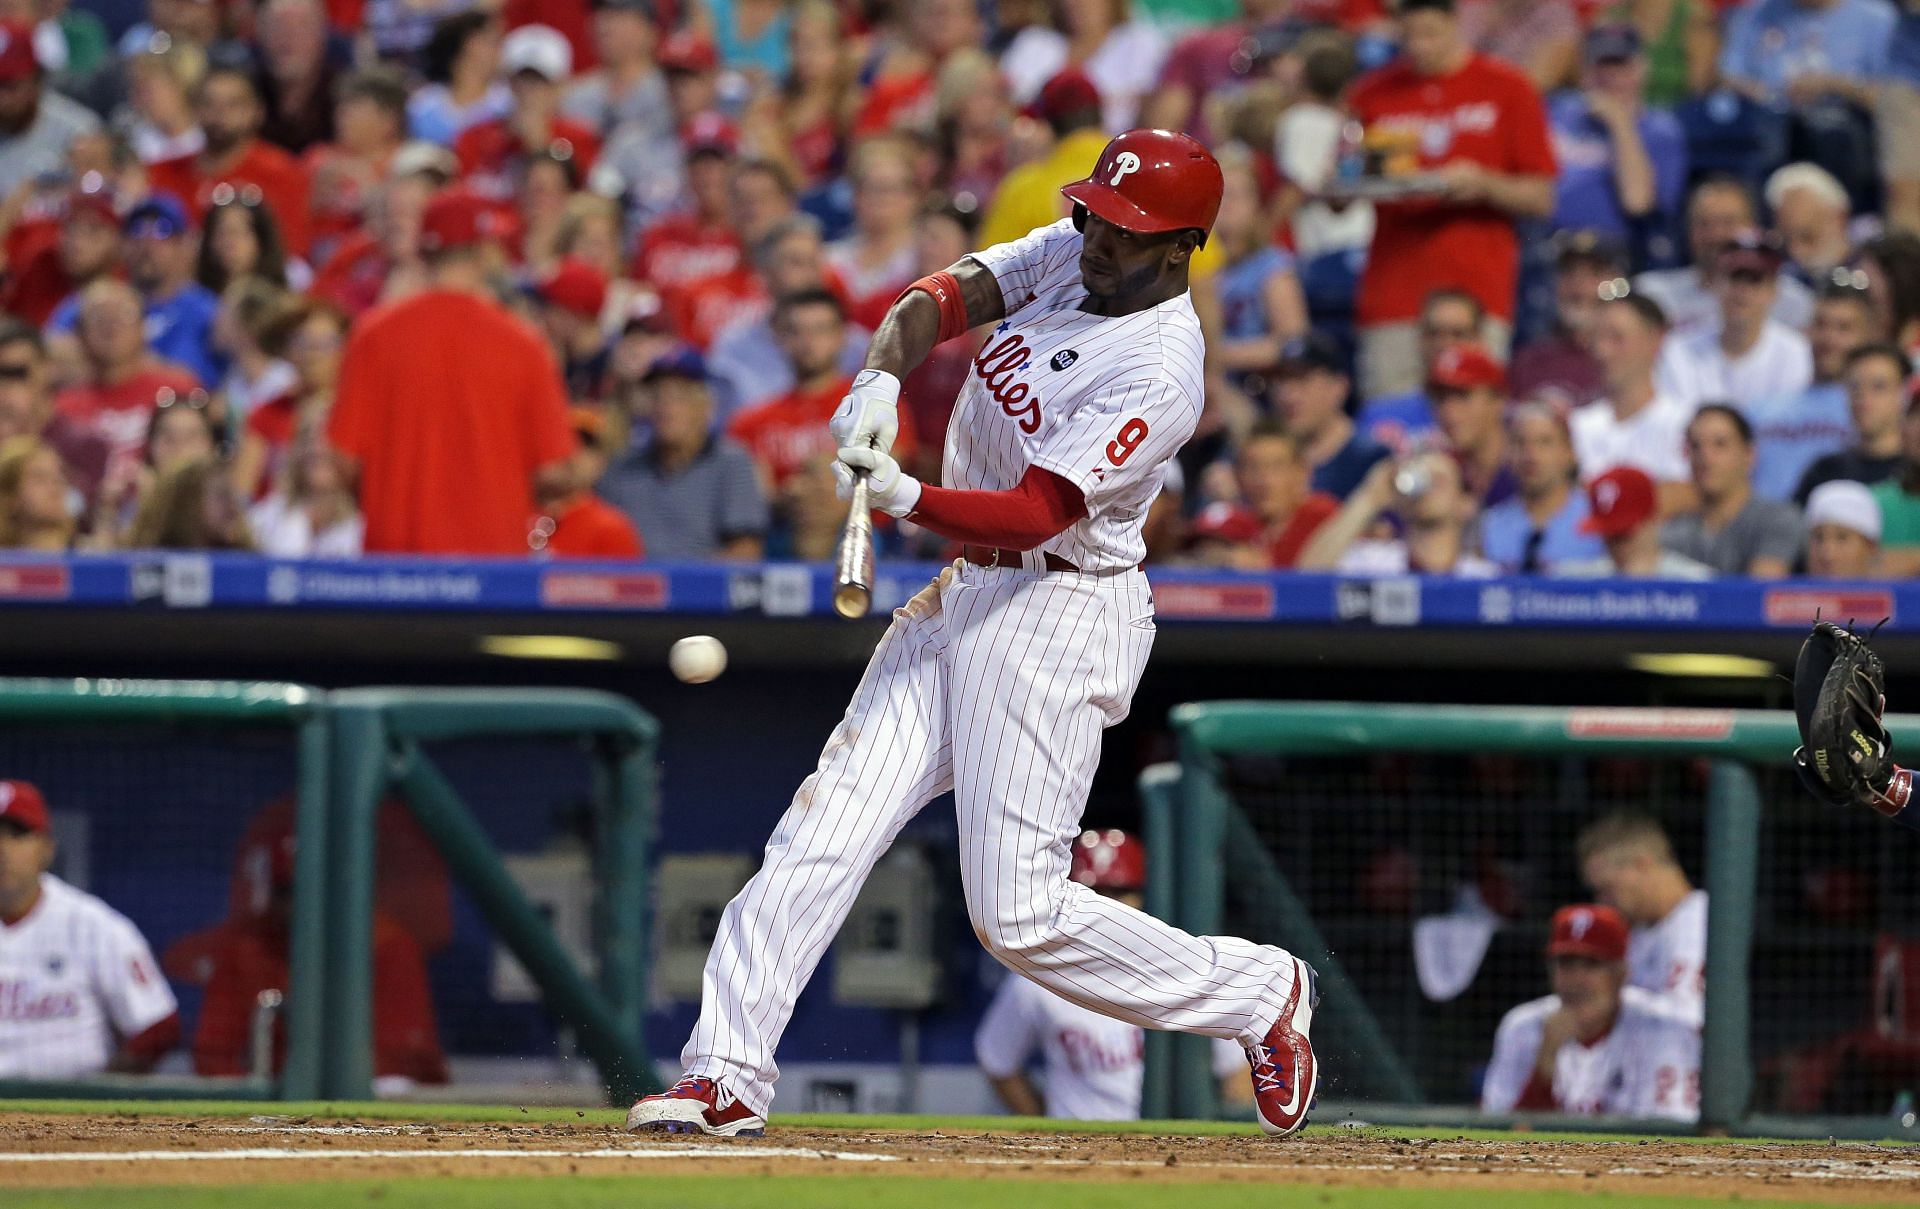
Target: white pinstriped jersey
[(1103, 402), (1093, 1064), (75, 977), (1647, 1066), (1669, 958)]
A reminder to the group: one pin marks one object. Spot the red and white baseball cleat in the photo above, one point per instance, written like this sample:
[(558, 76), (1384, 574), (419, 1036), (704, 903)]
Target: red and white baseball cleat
[(696, 1105), (1285, 1073)]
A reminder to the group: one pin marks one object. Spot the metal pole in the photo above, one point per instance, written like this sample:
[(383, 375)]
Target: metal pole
[(360, 757), (307, 982), (1733, 860)]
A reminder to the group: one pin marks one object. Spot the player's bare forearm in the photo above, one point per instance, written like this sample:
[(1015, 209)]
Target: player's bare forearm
[(1019, 1097), (912, 327)]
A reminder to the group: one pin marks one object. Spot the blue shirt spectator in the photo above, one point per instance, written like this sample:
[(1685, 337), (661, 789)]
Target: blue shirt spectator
[(1398, 421), (1509, 538), (1792, 432), (1341, 473), (1594, 128), (179, 310), (1771, 43)]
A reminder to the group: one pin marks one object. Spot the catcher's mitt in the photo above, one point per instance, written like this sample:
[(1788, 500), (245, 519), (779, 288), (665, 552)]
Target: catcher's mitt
[(1839, 692)]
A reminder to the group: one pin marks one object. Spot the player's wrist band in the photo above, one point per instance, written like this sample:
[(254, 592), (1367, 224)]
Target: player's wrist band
[(944, 289)]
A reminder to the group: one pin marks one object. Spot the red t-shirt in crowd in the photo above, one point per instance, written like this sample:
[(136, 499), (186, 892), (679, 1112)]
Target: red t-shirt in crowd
[(274, 422), (449, 403), (784, 433), (487, 151), (35, 281), (1486, 112), (281, 179), (681, 250), (590, 527), (120, 412), (1284, 546)]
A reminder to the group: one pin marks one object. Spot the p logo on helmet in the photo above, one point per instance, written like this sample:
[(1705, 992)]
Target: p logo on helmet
[(1151, 182)]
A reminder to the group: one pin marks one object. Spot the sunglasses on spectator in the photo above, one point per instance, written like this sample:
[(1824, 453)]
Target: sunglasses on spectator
[(15, 371), (1748, 276), (1447, 333)]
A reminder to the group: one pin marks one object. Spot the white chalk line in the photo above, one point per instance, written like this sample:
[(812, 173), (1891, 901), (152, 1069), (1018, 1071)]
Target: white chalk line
[(301, 1154)]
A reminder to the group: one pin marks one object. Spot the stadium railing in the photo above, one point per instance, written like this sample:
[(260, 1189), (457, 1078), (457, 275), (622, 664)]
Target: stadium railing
[(1333, 829), (164, 777)]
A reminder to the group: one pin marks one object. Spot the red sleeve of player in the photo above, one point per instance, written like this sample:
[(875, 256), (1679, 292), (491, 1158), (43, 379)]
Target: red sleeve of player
[(221, 1043), (405, 1040), (1042, 506), (1536, 1096), (140, 1052)]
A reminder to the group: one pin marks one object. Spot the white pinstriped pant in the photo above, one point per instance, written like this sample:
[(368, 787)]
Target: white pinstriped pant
[(995, 683)]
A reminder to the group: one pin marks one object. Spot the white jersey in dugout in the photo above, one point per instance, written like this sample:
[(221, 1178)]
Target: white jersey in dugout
[(76, 978), (1669, 958), (1093, 1065), (1102, 401), (1647, 1066)]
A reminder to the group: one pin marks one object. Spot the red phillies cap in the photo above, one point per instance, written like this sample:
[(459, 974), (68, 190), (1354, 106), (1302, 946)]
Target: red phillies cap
[(22, 805), (1069, 91), (458, 218), (1109, 860), (17, 60), (1464, 367), (1620, 501), (1588, 930), (576, 286), (686, 51), (709, 132), (1221, 521)]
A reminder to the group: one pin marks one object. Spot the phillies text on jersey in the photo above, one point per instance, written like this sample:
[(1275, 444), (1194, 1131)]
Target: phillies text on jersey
[(76, 978), (1103, 402)]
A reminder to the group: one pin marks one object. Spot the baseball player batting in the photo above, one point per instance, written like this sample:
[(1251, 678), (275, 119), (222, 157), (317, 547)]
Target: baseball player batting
[(997, 679)]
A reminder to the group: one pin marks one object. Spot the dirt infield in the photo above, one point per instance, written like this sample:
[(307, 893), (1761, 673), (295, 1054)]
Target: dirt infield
[(70, 1151)]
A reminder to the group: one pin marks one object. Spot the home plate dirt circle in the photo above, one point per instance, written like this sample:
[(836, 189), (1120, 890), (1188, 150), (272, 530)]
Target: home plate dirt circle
[(70, 1151)]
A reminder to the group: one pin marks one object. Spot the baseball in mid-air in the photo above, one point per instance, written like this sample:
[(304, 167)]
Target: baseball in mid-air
[(697, 658)]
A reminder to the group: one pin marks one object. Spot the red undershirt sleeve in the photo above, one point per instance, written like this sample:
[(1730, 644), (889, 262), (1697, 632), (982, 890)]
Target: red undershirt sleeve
[(1042, 506), (1537, 1095), (142, 1050)]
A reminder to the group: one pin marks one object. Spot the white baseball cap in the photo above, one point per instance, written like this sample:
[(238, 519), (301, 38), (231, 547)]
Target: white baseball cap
[(1847, 504), (541, 49)]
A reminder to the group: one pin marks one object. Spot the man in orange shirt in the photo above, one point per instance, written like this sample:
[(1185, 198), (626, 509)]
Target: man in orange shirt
[(230, 112), (1479, 126), (783, 434), (450, 408)]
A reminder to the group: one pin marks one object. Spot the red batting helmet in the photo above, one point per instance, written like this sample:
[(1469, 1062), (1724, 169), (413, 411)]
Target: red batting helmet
[(1109, 860), (1150, 181)]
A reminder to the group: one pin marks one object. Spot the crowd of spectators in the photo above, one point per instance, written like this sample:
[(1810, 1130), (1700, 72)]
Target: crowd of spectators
[(1498, 286)]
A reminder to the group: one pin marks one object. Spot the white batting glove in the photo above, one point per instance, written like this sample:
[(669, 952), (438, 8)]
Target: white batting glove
[(870, 413), (890, 489)]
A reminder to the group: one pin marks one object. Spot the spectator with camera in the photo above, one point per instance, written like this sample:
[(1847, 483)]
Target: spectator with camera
[(1732, 530), (1468, 388), (1540, 526), (1623, 511), (1425, 495)]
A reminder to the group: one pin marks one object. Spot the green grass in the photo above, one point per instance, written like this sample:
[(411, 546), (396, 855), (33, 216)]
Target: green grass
[(387, 1110), (822, 1192)]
